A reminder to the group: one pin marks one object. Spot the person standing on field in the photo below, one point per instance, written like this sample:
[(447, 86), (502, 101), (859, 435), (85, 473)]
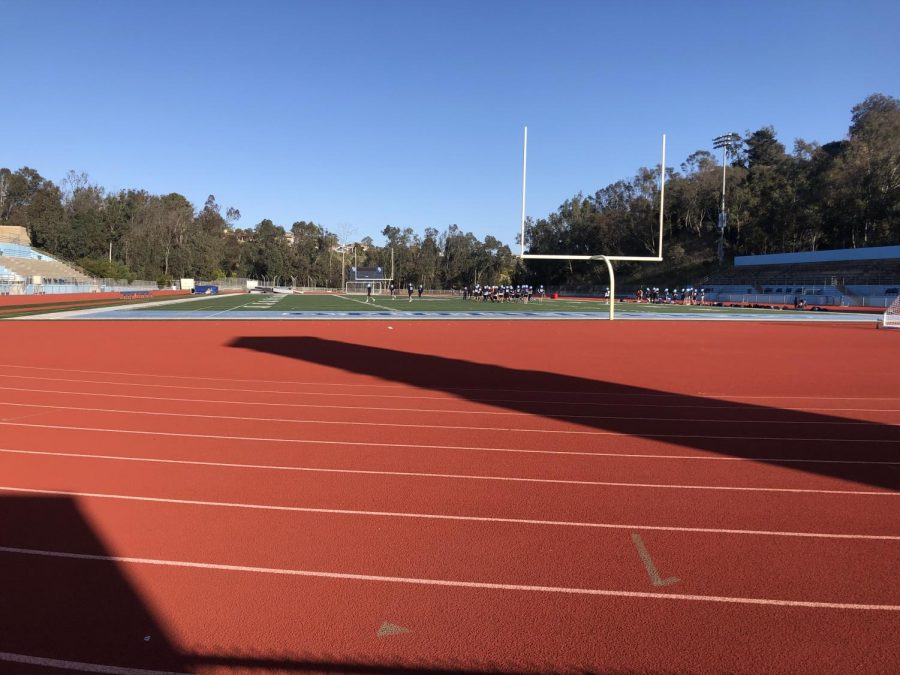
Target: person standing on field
[(369, 293)]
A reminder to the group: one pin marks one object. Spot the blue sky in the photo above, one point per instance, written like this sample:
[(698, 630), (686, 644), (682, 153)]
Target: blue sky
[(361, 114)]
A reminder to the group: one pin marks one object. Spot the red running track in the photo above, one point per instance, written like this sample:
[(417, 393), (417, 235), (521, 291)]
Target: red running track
[(516, 496)]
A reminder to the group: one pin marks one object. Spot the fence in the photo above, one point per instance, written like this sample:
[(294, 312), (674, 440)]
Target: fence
[(16, 285)]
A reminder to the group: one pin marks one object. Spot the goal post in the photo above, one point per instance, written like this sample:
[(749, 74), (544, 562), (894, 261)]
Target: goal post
[(891, 317), (608, 259)]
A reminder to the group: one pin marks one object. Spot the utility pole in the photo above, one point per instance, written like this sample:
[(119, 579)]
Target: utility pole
[(724, 141)]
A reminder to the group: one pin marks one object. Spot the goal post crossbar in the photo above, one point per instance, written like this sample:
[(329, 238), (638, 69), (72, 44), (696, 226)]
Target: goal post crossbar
[(608, 259)]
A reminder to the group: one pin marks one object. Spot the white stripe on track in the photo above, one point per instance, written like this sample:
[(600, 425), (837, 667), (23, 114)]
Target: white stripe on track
[(576, 432), (439, 516), (416, 474), (397, 386), (447, 447), (618, 455), (344, 576), (451, 397), (413, 396), (457, 411), (78, 666)]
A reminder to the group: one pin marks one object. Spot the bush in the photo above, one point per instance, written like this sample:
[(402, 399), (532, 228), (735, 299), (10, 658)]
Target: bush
[(105, 269)]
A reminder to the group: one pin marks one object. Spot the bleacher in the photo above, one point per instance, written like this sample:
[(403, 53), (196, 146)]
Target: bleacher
[(26, 270), (868, 282)]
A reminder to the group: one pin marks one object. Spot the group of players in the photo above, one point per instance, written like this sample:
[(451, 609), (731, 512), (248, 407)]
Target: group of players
[(684, 296), (505, 293), (522, 293)]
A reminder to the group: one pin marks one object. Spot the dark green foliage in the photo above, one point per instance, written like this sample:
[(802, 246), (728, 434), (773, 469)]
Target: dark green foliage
[(106, 269), (839, 195)]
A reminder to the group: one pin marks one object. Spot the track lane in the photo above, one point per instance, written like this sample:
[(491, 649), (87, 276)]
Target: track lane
[(578, 408), (855, 442), (705, 564), (790, 512), (728, 640), (228, 621)]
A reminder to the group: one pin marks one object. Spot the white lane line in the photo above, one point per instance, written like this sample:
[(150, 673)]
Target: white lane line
[(439, 516), (452, 398), (618, 455), (449, 582), (455, 476), (576, 432), (398, 386), (78, 666), (458, 411), (447, 447)]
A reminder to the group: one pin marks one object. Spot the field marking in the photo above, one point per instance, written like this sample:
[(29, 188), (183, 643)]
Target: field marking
[(455, 411), (585, 453), (575, 432), (267, 439), (79, 666), (374, 304), (490, 402), (652, 572), (456, 476), (346, 576), (243, 304), (398, 386), (450, 517)]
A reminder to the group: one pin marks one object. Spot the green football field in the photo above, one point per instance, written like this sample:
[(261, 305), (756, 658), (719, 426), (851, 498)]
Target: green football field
[(357, 303)]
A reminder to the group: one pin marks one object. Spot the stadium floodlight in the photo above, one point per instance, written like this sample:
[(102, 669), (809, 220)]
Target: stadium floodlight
[(725, 141), (608, 259)]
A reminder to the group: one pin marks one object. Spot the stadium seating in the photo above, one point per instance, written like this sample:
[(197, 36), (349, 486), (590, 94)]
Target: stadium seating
[(868, 283), (26, 270)]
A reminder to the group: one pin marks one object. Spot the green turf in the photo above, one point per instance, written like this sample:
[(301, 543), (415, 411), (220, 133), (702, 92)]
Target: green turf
[(356, 303)]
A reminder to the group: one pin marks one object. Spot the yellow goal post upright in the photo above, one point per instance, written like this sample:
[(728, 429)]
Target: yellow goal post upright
[(608, 259)]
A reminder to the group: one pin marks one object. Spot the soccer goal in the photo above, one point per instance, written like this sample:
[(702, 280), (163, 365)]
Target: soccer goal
[(608, 259), (359, 287), (892, 315)]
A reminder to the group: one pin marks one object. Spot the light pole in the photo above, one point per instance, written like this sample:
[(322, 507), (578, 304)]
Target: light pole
[(724, 141)]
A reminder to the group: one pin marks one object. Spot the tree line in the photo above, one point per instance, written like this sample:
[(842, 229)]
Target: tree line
[(841, 194), (132, 234)]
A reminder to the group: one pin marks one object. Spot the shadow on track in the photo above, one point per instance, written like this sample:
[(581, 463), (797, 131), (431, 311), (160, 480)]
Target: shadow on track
[(83, 611), (817, 443), (85, 615)]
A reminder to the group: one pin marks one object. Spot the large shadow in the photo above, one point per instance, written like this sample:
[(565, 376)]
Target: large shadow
[(76, 610), (818, 443), (63, 603)]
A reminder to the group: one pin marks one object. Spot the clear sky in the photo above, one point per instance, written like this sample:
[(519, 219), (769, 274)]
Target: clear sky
[(361, 114)]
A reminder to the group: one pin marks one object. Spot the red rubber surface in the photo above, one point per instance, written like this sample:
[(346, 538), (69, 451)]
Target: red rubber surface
[(521, 455)]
